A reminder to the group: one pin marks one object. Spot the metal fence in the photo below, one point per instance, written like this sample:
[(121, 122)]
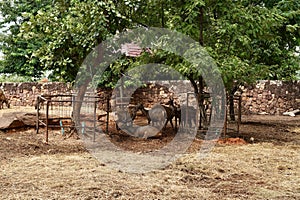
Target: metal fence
[(56, 111)]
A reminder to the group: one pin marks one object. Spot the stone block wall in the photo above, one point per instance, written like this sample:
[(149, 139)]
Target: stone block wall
[(271, 97), (161, 92), (25, 94)]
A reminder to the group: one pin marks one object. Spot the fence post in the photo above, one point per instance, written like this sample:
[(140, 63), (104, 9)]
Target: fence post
[(239, 114), (95, 110), (37, 114), (47, 120), (225, 123), (107, 113)]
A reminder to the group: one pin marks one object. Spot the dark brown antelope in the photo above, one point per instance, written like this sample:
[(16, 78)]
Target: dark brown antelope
[(145, 112), (176, 111), (133, 110), (185, 115), (170, 115)]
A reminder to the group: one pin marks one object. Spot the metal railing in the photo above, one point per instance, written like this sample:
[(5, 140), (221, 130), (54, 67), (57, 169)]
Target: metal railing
[(56, 111)]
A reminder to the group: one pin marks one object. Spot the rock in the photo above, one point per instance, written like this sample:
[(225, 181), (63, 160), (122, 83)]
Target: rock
[(263, 113), (17, 120), (10, 123), (29, 119), (292, 113)]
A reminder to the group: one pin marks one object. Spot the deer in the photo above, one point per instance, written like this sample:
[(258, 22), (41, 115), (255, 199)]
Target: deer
[(126, 116), (159, 115), (185, 115), (188, 116), (144, 132), (3, 100)]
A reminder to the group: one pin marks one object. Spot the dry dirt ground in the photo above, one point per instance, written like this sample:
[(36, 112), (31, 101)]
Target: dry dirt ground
[(267, 167)]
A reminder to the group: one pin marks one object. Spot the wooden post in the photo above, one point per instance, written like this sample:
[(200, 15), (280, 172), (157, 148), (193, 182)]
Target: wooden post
[(225, 123), (107, 114), (47, 121), (95, 110), (37, 114), (239, 114)]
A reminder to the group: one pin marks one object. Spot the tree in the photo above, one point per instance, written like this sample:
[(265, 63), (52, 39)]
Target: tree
[(72, 29), (249, 39), (17, 50), (245, 38), (257, 45), (253, 35)]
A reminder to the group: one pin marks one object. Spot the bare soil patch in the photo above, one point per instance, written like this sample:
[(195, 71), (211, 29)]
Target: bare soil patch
[(237, 168), (267, 128)]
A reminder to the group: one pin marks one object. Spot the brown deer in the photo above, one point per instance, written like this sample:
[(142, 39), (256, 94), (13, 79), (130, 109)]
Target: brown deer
[(145, 112), (159, 115), (142, 131), (186, 115), (3, 100), (125, 117), (176, 111)]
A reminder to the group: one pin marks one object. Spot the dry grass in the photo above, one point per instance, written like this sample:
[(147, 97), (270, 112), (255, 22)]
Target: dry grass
[(267, 169), (258, 171)]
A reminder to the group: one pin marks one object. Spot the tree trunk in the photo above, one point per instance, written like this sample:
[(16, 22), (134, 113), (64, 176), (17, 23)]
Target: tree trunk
[(231, 102), (78, 102), (198, 90), (201, 25), (231, 108), (84, 83), (200, 97), (199, 87), (162, 15)]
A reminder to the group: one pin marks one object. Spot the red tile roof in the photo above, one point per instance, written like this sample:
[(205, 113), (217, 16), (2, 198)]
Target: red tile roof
[(132, 49)]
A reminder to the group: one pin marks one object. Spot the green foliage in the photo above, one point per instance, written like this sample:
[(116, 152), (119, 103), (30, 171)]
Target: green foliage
[(17, 50), (71, 30), (56, 35), (15, 78), (249, 40)]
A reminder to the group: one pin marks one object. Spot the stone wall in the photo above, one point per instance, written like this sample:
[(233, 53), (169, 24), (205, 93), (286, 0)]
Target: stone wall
[(160, 93), (272, 97), (25, 94)]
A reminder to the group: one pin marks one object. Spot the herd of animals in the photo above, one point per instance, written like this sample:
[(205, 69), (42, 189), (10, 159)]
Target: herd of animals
[(157, 117)]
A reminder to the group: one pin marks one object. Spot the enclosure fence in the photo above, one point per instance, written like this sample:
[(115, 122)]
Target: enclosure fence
[(56, 111)]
